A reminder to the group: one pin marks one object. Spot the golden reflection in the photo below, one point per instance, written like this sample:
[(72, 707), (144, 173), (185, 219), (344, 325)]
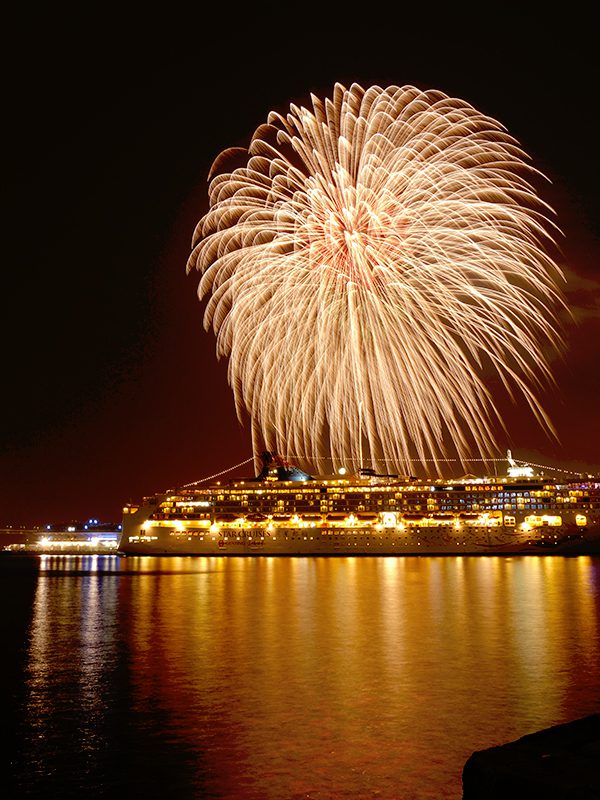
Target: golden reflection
[(350, 656), (381, 673)]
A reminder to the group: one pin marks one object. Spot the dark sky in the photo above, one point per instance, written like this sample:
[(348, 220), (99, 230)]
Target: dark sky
[(111, 386)]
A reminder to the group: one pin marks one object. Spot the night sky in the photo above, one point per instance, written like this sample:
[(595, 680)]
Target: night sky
[(111, 387)]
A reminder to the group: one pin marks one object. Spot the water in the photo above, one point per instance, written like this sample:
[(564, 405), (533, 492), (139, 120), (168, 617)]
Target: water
[(275, 678)]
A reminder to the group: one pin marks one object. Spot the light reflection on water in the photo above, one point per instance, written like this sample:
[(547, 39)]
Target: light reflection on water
[(296, 677)]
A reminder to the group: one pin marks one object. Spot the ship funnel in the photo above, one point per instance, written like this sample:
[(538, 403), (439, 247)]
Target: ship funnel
[(516, 471)]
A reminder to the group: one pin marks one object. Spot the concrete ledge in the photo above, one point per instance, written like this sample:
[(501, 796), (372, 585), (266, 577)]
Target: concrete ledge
[(558, 763)]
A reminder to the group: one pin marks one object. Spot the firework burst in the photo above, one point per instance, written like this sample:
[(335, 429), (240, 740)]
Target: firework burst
[(375, 257)]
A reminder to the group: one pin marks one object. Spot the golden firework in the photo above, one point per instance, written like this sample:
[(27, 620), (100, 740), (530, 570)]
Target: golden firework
[(371, 261)]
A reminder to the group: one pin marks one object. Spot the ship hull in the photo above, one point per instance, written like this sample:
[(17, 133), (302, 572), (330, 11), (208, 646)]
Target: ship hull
[(366, 542)]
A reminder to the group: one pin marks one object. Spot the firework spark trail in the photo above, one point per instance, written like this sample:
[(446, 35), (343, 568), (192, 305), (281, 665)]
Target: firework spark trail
[(372, 256)]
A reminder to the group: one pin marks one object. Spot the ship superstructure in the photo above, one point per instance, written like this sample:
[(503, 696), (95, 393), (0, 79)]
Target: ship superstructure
[(284, 511)]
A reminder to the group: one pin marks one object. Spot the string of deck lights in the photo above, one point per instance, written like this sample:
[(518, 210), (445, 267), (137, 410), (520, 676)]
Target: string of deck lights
[(446, 460)]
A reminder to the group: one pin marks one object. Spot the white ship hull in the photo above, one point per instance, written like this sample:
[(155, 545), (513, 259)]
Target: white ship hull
[(290, 541)]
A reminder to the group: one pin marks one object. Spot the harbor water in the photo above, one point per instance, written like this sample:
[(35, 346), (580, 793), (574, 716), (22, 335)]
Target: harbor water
[(274, 678)]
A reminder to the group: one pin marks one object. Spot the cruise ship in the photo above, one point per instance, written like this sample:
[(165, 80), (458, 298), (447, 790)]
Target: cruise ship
[(285, 511)]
